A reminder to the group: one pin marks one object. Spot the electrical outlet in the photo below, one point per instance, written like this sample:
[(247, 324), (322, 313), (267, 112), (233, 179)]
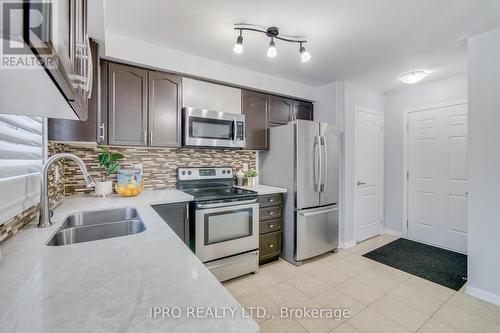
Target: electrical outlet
[(245, 167)]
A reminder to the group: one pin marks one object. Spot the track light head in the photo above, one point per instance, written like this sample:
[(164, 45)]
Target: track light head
[(271, 51), (304, 55), (238, 47)]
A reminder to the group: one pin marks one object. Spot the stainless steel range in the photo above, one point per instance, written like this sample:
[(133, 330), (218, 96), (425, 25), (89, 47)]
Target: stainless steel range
[(224, 221)]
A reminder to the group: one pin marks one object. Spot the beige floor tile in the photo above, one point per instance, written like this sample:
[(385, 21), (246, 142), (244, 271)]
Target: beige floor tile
[(322, 324), (359, 291), (475, 307), (463, 321), (259, 299), (329, 275), (285, 270), (435, 326), (345, 267), (335, 299), (430, 288), (240, 287), (416, 299), (345, 328), (380, 281), (315, 263), (400, 313), (279, 325), (361, 262), (370, 321), (391, 272), (285, 295), (264, 278), (309, 285)]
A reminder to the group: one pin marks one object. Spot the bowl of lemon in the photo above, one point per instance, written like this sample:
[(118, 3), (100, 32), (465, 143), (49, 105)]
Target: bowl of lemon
[(129, 183)]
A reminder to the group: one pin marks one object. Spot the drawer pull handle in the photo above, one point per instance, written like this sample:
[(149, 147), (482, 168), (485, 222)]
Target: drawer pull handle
[(270, 245), (271, 225), (271, 213), (271, 200)]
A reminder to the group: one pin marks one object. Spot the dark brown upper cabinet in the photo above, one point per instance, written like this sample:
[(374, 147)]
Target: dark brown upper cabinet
[(255, 107), (127, 105), (303, 110), (280, 110), (164, 109)]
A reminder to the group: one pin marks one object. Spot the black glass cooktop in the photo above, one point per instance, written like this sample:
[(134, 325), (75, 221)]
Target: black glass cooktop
[(219, 193)]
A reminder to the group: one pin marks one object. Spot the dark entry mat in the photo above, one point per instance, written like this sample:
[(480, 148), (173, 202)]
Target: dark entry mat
[(440, 266)]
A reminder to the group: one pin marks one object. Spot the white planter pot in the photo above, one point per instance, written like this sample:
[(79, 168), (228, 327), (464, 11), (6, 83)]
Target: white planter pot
[(104, 188), (252, 181)]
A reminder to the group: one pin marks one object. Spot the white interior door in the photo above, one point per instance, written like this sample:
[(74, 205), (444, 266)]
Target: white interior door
[(437, 180), (368, 173)]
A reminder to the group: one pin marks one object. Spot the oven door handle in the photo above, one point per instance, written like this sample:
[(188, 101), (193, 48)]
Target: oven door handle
[(226, 204)]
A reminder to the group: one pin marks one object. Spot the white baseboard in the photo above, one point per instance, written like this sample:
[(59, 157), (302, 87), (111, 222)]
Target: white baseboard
[(348, 244), (393, 232), (483, 295)]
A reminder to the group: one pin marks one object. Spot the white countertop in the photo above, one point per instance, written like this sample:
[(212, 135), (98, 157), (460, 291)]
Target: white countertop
[(264, 189), (110, 285)]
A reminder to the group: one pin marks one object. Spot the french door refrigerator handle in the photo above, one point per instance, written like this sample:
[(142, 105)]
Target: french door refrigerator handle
[(325, 164), (317, 164), (320, 212)]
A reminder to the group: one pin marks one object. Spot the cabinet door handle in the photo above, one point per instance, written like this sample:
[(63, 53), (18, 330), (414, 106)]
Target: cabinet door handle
[(270, 245), (151, 138), (145, 134), (103, 132), (271, 213), (270, 226), (270, 200)]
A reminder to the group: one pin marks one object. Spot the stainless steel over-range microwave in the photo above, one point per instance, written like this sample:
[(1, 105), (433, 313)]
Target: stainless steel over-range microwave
[(205, 128)]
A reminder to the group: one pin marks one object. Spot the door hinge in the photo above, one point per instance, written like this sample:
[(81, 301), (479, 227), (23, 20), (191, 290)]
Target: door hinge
[(407, 175), (407, 224), (407, 126)]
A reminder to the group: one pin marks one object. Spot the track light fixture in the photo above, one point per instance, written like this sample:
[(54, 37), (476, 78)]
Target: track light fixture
[(271, 32)]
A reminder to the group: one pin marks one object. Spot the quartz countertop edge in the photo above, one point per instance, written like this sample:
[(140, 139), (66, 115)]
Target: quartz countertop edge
[(112, 285), (264, 189)]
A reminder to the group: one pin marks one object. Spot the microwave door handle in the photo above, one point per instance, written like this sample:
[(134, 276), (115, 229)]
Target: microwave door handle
[(235, 128)]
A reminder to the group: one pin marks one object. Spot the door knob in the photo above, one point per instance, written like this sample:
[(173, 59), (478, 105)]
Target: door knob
[(361, 183)]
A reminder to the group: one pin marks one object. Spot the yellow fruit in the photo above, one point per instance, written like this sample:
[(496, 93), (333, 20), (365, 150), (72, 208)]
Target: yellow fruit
[(127, 192), (130, 186)]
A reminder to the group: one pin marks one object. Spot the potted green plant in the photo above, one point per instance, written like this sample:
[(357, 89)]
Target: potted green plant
[(108, 164), (251, 176)]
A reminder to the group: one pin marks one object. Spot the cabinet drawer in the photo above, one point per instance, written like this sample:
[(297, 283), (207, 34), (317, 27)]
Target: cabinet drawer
[(269, 244), (270, 200), (269, 226), (269, 213)]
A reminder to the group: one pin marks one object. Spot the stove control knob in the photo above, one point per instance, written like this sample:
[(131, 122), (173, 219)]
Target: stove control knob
[(223, 172), (228, 171), (183, 173), (189, 173)]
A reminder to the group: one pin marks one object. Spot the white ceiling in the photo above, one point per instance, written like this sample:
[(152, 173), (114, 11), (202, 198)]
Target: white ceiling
[(368, 42)]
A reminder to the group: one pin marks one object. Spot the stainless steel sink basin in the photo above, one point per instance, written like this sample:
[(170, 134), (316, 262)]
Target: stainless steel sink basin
[(90, 226)]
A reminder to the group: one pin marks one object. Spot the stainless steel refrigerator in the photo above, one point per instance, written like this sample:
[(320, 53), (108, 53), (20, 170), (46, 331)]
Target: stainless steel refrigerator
[(304, 158)]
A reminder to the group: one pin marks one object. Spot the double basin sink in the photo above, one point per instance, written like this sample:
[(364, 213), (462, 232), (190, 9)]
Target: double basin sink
[(95, 225)]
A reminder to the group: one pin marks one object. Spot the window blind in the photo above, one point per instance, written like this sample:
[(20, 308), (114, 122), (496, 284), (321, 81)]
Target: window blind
[(21, 160)]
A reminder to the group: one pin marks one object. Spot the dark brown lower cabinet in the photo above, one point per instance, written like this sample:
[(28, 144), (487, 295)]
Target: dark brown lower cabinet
[(270, 226)]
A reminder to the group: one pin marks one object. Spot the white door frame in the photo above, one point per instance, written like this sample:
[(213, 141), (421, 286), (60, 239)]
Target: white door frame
[(381, 175), (405, 178)]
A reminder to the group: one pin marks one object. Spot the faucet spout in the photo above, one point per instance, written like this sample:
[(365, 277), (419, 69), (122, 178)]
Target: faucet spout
[(44, 220)]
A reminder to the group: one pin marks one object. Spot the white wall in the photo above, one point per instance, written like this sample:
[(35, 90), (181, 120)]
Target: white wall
[(354, 96), (327, 103), (139, 52), (484, 167), (396, 102)]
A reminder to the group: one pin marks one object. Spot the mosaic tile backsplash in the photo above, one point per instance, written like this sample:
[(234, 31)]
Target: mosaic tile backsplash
[(159, 164)]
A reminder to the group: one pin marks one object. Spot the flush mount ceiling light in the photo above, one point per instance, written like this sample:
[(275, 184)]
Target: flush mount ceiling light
[(413, 76), (271, 32)]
